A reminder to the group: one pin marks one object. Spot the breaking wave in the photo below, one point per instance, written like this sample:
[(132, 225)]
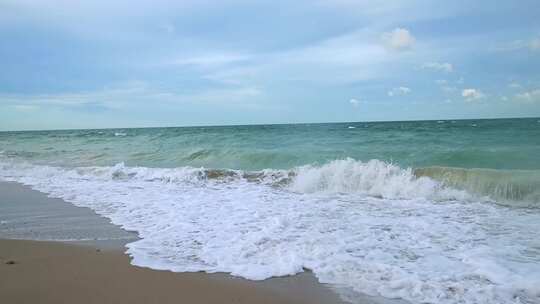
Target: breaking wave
[(374, 178)]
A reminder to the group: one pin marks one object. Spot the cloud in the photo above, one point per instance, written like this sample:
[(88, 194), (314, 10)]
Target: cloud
[(25, 107), (132, 94), (472, 94), (514, 85), (190, 61), (532, 44), (528, 97), (400, 91), (399, 39), (212, 60), (449, 89), (340, 59), (445, 86), (103, 99), (441, 81), (438, 66)]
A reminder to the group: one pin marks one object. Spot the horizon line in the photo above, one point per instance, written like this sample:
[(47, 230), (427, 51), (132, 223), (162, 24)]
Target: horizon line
[(272, 124)]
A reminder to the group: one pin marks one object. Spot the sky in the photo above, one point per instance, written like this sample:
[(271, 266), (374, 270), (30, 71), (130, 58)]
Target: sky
[(105, 64)]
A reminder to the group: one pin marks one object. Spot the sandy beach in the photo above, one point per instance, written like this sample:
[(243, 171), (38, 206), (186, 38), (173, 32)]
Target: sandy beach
[(98, 271), (51, 272)]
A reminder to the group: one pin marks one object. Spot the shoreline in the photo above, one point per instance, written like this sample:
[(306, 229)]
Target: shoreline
[(98, 271), (54, 272)]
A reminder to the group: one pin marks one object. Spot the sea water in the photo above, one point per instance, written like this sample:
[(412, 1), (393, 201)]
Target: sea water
[(426, 212)]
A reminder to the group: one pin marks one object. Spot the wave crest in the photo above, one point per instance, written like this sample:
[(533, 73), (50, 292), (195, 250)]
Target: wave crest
[(374, 178)]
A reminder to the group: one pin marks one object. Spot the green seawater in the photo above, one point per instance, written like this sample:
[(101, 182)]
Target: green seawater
[(498, 158), (511, 144)]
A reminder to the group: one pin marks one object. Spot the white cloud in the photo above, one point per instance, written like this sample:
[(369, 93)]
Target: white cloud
[(399, 91), (126, 95), (399, 39), (448, 89), (445, 86), (528, 97), (534, 44), (514, 85), (341, 59), (438, 66), (212, 60), (25, 107), (354, 102), (472, 94), (441, 81)]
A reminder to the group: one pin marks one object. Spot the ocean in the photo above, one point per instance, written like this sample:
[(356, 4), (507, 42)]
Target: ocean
[(424, 211)]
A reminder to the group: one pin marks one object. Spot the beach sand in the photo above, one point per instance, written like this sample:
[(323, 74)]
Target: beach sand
[(96, 272), (52, 272)]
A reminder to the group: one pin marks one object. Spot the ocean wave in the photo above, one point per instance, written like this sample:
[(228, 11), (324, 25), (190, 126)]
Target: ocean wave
[(510, 187), (371, 227), (517, 188), (374, 178)]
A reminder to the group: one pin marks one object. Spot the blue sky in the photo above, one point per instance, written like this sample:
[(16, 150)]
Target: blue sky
[(92, 64)]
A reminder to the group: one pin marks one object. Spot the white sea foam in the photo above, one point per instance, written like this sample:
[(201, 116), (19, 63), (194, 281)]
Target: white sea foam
[(373, 178), (369, 227)]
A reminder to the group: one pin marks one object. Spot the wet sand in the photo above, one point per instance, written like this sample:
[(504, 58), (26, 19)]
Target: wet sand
[(52, 272), (29, 214), (99, 272)]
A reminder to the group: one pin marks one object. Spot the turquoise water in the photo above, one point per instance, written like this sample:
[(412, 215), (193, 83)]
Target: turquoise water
[(428, 212), (495, 144), (508, 148)]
